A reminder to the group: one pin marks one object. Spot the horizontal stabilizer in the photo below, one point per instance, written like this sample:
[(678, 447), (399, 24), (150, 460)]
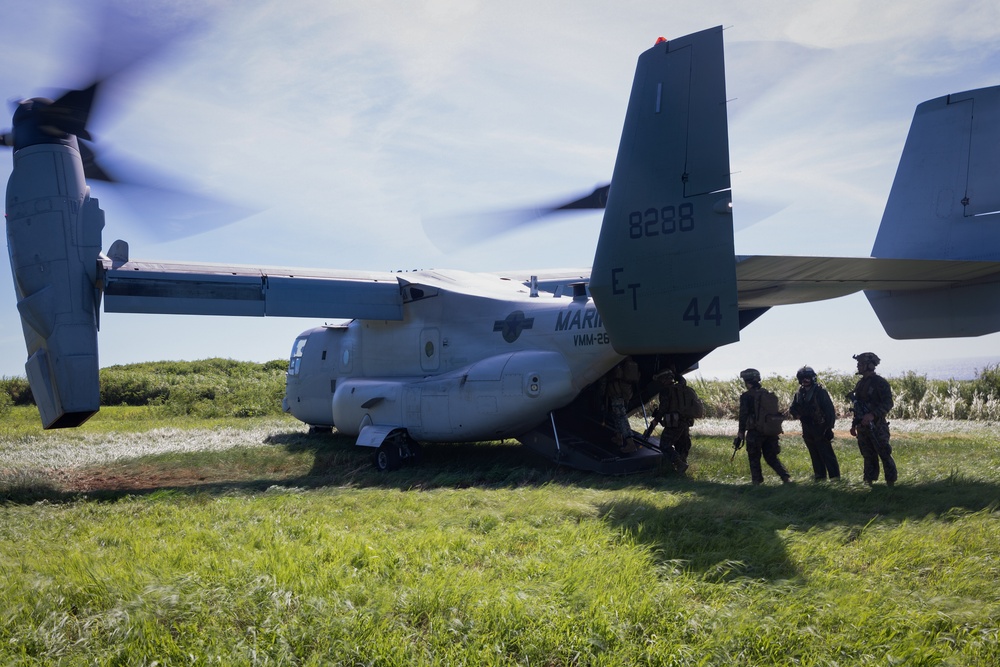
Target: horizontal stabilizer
[(771, 280)]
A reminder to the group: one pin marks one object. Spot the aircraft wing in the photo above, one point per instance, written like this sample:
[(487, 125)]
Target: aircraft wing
[(222, 289), (770, 280)]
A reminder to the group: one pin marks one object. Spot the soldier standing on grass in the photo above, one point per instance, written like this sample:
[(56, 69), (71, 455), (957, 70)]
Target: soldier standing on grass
[(678, 407), (813, 407), (872, 400), (752, 430)]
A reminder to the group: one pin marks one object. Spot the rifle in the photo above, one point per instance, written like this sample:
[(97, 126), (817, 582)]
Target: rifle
[(859, 408), (737, 446), (649, 429)]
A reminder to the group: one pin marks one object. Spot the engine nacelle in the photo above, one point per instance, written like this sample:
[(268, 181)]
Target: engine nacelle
[(54, 239), (498, 397)]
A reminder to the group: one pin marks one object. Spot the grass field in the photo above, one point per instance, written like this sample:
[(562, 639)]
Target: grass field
[(250, 542)]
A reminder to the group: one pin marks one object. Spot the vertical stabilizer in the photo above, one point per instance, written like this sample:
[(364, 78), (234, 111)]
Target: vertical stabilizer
[(945, 204), (664, 276)]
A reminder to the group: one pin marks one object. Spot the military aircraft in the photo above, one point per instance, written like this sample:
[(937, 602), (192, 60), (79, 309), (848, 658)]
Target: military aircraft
[(450, 356)]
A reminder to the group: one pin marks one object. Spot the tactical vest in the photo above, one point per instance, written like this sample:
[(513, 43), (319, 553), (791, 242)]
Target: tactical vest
[(809, 409)]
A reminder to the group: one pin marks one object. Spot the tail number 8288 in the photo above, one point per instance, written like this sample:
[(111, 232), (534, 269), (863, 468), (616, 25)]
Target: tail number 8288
[(657, 221)]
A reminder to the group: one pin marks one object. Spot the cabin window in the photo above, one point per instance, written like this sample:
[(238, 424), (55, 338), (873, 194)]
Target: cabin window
[(296, 359)]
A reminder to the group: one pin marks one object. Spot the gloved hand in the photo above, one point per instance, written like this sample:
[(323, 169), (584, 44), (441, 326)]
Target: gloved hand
[(828, 434)]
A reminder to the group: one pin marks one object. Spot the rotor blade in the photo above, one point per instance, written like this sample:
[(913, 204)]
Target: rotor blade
[(452, 232), (596, 199), (169, 215), (120, 41), (748, 211), (91, 169), (166, 208), (71, 111)]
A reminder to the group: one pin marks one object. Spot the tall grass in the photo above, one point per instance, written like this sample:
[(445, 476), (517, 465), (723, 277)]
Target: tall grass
[(290, 549), (214, 388), (915, 396)]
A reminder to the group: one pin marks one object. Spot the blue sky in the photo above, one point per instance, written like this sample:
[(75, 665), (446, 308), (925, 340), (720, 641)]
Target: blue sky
[(346, 124)]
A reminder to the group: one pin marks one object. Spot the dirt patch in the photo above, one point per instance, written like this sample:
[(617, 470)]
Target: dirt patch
[(142, 479)]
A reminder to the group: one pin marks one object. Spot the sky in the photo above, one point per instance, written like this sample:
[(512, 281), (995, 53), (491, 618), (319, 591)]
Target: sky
[(343, 126)]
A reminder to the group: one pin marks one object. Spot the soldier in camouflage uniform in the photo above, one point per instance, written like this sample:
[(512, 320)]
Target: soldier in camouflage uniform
[(872, 399), (813, 407), (618, 389), (758, 444), (678, 407)]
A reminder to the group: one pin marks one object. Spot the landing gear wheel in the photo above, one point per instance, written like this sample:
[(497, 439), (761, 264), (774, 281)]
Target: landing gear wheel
[(387, 457)]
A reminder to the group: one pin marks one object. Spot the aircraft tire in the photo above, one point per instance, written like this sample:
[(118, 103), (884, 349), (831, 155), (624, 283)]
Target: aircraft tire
[(387, 457)]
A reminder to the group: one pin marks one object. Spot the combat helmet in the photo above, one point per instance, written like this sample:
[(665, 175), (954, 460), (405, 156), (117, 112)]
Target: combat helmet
[(806, 372), (868, 359), (666, 375), (751, 375)]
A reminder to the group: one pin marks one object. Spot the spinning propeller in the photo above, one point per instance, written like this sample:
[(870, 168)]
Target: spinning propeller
[(123, 41), (454, 232), (458, 231)]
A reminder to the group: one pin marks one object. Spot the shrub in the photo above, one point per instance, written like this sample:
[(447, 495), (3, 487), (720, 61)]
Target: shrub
[(17, 389), (124, 386), (987, 382), (229, 388)]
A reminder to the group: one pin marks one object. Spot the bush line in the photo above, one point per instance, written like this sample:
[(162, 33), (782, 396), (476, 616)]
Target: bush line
[(228, 388)]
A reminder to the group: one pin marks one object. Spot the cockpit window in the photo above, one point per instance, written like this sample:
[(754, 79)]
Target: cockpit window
[(297, 349)]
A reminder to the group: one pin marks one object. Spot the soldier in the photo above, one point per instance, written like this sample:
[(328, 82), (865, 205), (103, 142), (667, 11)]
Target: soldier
[(618, 389), (678, 407), (872, 400), (752, 429), (813, 407)]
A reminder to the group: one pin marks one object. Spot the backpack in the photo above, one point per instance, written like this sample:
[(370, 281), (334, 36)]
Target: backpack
[(768, 415), (681, 400), (693, 404)]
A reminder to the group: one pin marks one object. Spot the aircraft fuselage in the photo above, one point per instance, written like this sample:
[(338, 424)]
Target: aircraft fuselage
[(475, 357)]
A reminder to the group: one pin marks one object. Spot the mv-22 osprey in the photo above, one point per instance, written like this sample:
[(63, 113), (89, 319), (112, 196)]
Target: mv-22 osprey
[(449, 356)]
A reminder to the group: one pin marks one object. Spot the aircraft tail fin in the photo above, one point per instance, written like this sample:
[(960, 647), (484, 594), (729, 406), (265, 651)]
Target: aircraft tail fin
[(664, 274), (945, 204)]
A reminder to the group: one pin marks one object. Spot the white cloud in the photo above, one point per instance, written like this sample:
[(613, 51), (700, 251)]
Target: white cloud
[(348, 122)]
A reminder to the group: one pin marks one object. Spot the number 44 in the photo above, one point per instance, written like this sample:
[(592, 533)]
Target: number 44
[(694, 314)]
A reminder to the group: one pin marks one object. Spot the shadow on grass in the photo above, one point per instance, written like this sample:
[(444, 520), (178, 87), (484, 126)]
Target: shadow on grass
[(719, 529), (726, 530)]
